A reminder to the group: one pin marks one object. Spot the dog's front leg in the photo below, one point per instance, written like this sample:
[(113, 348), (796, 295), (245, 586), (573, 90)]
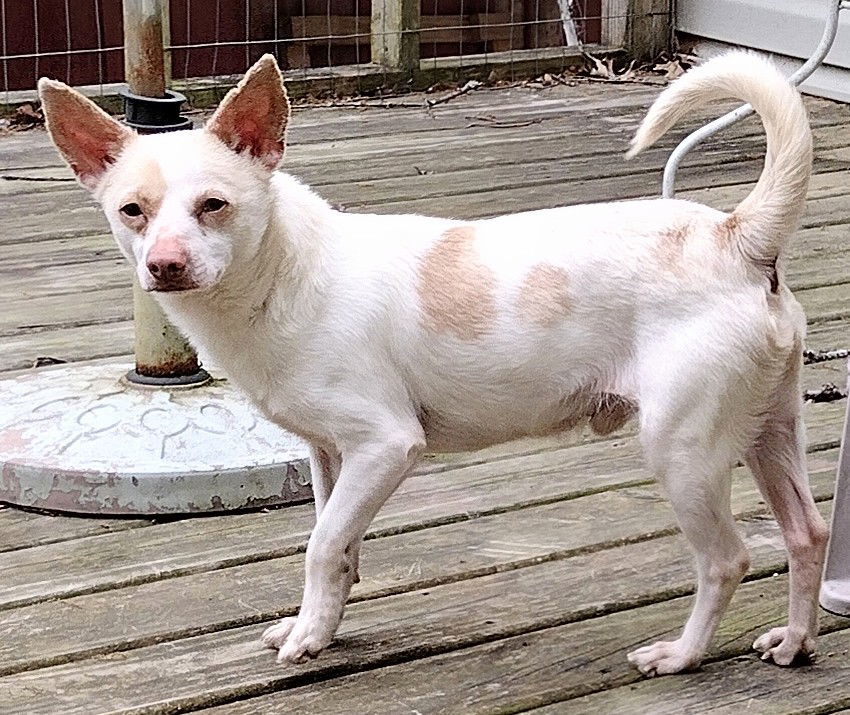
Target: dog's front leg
[(324, 471), (370, 472)]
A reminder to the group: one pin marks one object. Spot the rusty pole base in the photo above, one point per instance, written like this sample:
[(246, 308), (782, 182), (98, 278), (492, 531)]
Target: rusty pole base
[(82, 439)]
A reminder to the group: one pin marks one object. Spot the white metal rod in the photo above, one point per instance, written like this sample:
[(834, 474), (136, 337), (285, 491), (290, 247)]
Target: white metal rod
[(727, 120)]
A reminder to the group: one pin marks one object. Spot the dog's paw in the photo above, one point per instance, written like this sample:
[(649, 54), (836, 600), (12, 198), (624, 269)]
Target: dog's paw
[(785, 646), (662, 658), (275, 636), (303, 642)]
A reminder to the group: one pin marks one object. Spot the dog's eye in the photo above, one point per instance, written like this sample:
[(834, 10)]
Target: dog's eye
[(131, 209), (213, 204)]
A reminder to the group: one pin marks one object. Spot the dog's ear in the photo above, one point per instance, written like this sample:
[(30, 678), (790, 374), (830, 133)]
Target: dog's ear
[(253, 116), (86, 136)]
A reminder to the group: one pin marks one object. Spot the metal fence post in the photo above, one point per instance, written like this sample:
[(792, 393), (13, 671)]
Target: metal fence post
[(395, 34), (163, 356)]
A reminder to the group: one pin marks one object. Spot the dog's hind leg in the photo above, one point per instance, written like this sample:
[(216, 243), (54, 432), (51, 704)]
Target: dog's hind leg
[(778, 462), (692, 459)]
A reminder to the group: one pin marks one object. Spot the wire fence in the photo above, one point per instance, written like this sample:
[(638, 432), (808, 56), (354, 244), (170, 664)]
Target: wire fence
[(209, 41)]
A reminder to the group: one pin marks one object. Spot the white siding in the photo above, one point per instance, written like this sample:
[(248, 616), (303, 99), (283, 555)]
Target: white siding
[(785, 27)]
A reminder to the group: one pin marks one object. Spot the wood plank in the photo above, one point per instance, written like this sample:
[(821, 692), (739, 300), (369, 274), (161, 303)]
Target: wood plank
[(57, 631), (517, 674), (329, 124), (36, 314), (187, 547), (411, 114), (53, 280), (502, 190), (70, 344), (825, 304), (387, 137), (481, 147), (586, 653), (22, 530), (116, 340), (544, 188), (546, 665), (615, 106), (35, 215), (190, 546), (827, 336), (732, 685), (85, 236)]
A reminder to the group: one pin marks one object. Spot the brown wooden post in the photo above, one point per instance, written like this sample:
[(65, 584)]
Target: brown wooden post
[(395, 34), (162, 354), (614, 22), (650, 28), (166, 42)]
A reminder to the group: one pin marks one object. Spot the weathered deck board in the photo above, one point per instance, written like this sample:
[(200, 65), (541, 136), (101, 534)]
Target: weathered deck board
[(186, 547), (22, 530), (503, 580), (539, 667), (394, 564), (730, 687)]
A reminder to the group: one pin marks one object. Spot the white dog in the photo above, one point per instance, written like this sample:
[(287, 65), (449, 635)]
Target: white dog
[(374, 337)]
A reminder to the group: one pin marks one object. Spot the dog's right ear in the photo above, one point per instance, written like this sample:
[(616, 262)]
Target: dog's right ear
[(252, 117), (86, 136)]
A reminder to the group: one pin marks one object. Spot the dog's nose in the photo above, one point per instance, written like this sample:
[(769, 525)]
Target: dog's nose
[(167, 261), (167, 270)]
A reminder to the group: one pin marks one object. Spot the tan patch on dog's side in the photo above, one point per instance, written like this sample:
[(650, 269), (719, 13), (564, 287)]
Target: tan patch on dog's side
[(670, 248), (148, 196), (456, 289), (727, 232), (544, 299)]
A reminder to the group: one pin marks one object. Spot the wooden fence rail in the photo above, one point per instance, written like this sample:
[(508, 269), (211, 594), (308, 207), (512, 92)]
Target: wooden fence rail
[(82, 43)]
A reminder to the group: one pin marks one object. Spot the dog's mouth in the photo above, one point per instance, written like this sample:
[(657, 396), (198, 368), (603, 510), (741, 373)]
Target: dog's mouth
[(181, 287)]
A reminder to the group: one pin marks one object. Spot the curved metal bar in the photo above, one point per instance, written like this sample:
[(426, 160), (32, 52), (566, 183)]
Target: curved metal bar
[(727, 120)]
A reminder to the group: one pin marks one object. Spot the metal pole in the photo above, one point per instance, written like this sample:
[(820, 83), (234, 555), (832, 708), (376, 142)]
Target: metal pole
[(727, 120), (163, 356)]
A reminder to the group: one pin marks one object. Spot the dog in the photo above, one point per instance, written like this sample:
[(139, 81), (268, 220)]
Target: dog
[(375, 338)]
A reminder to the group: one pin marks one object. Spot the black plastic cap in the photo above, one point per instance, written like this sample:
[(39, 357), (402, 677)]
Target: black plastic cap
[(154, 115)]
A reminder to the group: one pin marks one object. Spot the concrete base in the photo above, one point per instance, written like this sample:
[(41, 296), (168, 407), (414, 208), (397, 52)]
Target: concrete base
[(835, 591), (835, 596), (83, 439)]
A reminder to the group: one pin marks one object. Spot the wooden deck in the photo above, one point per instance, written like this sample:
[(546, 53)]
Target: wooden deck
[(501, 581)]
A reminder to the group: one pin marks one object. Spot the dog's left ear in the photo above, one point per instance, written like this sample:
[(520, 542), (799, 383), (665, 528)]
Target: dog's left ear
[(253, 116)]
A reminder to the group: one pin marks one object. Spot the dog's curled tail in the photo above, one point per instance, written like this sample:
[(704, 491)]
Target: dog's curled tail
[(766, 218)]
